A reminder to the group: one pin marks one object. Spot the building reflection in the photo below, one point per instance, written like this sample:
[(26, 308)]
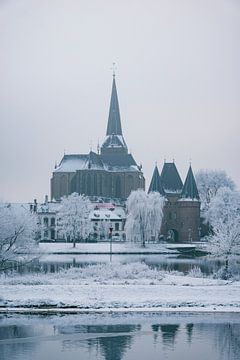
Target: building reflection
[(189, 329), (109, 346), (168, 331)]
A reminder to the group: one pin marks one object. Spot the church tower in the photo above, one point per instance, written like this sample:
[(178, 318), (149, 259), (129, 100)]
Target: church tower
[(110, 175), (114, 142)]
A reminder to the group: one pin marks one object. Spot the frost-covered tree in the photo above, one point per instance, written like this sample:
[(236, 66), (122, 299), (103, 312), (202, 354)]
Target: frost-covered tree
[(104, 226), (73, 220), (18, 234), (224, 215), (208, 183), (144, 216)]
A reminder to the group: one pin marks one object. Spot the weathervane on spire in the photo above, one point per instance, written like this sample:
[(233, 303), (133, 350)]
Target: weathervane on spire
[(113, 68)]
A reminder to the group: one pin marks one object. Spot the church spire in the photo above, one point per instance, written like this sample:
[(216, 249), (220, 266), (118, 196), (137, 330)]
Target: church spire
[(114, 141), (190, 190), (114, 121)]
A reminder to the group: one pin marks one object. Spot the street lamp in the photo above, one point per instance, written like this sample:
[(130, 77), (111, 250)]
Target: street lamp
[(110, 240)]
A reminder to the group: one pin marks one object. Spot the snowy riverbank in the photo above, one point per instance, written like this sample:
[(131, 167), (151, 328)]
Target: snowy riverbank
[(117, 287), (117, 248)]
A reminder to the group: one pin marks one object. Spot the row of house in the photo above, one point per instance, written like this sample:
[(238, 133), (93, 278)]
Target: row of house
[(103, 217)]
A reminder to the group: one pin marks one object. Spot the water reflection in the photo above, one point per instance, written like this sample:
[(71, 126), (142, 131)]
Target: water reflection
[(54, 263), (108, 346), (45, 339)]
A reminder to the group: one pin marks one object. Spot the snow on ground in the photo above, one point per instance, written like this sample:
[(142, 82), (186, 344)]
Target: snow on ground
[(105, 248), (118, 287)]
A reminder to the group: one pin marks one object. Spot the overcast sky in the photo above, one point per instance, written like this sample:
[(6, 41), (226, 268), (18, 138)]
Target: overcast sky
[(178, 81)]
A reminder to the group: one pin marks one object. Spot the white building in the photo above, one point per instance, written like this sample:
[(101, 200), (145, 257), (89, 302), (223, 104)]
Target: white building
[(106, 218)]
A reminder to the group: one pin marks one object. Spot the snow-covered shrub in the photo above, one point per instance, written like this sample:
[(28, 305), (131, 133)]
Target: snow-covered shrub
[(195, 272)]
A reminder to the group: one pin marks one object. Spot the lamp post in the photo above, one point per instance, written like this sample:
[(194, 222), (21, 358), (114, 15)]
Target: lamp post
[(110, 241)]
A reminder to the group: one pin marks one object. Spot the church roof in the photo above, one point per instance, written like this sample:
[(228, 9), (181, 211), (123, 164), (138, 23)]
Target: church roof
[(114, 121), (156, 183), (170, 177), (190, 190), (92, 161)]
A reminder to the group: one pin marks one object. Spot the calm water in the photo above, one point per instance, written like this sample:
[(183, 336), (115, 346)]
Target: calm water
[(126, 337), (54, 263)]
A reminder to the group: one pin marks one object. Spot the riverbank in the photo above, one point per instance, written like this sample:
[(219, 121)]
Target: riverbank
[(116, 248), (117, 287)]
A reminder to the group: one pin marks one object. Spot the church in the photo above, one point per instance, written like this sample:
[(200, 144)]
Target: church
[(110, 174)]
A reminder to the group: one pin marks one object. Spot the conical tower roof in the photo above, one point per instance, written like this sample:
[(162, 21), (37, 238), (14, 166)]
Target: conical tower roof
[(190, 190), (156, 183), (171, 180), (114, 121)]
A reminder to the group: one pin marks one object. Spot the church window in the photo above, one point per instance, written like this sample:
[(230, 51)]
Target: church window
[(89, 185), (118, 187), (95, 185)]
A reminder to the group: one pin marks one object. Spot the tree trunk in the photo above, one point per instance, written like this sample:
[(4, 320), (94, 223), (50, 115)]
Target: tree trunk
[(226, 265)]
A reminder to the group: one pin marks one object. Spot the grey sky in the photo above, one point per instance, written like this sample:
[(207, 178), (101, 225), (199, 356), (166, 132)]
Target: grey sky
[(178, 80)]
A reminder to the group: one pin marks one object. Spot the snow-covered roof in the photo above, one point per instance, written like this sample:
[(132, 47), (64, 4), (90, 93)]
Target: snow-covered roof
[(106, 214), (72, 163), (92, 161), (50, 207)]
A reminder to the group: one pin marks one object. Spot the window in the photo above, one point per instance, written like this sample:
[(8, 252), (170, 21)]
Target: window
[(52, 221), (116, 226), (45, 221), (45, 234), (53, 234)]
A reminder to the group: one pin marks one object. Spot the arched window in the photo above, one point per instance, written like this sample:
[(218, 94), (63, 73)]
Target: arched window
[(118, 192), (129, 184), (63, 188), (95, 192), (89, 185), (100, 185)]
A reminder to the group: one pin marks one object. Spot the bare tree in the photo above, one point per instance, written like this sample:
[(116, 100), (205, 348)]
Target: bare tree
[(18, 234)]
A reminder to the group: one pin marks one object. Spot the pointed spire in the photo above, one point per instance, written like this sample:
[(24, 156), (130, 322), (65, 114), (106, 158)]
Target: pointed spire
[(190, 190), (114, 121), (156, 182), (171, 180)]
